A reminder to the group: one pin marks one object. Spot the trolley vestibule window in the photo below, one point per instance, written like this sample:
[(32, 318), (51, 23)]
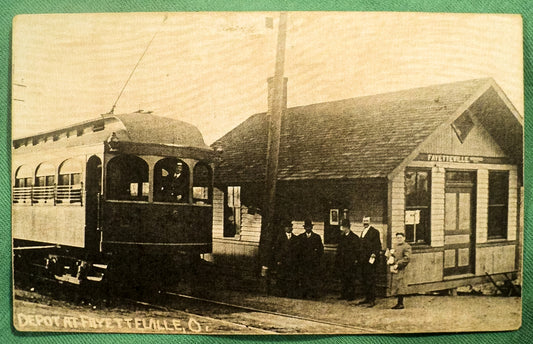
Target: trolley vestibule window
[(127, 178), (201, 189), (171, 181), (23, 184), (69, 182), (43, 189)]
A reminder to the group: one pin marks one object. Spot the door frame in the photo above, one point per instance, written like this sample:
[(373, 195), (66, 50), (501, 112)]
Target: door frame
[(457, 187)]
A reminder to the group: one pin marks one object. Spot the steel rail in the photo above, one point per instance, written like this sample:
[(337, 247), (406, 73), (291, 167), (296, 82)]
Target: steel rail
[(252, 309)]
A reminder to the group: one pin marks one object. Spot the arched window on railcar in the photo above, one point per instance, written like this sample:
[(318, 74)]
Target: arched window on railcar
[(69, 188), (201, 189), (127, 178), (43, 189), (23, 184), (171, 181)]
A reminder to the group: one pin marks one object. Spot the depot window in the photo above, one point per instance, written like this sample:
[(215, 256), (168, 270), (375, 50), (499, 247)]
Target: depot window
[(127, 178), (232, 211), (498, 204), (417, 206)]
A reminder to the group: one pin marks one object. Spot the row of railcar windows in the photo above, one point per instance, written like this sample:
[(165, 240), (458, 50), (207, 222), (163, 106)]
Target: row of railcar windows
[(42, 188), (127, 179)]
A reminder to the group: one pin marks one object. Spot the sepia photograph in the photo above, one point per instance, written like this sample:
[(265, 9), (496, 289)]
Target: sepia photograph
[(252, 173)]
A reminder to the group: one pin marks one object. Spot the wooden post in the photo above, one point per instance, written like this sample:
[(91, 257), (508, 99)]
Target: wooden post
[(277, 103)]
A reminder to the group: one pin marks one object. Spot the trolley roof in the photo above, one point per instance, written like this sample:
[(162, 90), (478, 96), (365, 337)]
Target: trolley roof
[(138, 127)]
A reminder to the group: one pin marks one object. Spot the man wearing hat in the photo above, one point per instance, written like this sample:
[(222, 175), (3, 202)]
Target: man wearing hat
[(346, 260), (311, 250), (370, 249), (286, 255)]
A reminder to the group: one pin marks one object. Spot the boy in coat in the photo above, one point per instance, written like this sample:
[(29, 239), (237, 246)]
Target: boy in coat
[(398, 259)]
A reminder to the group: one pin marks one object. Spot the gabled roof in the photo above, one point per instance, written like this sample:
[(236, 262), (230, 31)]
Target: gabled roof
[(364, 137)]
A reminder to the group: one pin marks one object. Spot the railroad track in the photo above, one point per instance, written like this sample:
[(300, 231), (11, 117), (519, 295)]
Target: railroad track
[(264, 321), (220, 317)]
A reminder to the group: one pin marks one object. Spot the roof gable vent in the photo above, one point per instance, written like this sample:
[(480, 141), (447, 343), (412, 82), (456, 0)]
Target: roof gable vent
[(462, 126)]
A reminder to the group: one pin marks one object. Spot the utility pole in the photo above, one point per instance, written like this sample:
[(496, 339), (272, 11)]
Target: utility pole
[(277, 104)]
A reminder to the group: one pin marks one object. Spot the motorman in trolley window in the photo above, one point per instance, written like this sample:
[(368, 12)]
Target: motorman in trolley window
[(348, 251), (311, 251), (370, 250), (176, 184), (398, 258)]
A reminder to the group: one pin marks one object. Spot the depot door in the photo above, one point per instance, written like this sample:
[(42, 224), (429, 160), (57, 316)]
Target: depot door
[(459, 223)]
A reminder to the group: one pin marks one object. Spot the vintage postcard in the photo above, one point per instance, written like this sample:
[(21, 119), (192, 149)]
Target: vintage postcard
[(267, 173)]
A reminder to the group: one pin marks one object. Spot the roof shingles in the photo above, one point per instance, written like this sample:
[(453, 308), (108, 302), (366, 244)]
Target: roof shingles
[(365, 137)]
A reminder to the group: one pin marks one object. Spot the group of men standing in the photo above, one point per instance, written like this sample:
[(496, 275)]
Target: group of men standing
[(357, 256), (298, 261)]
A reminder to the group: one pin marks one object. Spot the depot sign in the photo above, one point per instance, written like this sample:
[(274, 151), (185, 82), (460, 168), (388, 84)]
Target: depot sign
[(461, 159)]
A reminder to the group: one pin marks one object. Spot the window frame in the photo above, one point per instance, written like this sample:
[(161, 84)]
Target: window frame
[(196, 182), (502, 231), (108, 182), (232, 203), (161, 187), (425, 238)]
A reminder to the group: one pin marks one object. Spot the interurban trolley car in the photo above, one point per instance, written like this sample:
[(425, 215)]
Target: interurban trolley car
[(128, 196)]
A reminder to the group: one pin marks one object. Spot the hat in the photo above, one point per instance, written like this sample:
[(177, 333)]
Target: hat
[(366, 220), (345, 223), (286, 223), (401, 233), (308, 223)]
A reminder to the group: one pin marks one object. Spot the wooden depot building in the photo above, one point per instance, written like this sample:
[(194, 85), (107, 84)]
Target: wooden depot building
[(443, 164)]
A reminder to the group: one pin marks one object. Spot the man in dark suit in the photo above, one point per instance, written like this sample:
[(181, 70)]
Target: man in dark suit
[(311, 250), (286, 255), (346, 259), (370, 250)]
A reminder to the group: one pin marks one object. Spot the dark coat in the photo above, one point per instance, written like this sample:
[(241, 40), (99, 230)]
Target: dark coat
[(348, 252), (311, 250), (286, 251), (370, 244)]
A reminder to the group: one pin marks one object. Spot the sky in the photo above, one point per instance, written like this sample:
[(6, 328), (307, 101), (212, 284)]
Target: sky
[(211, 69)]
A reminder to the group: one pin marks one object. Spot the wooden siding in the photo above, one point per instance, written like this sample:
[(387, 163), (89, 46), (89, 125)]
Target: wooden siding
[(218, 213), (250, 223), (437, 207), (425, 268), (250, 226), (477, 143), (513, 205), (397, 203), (495, 259), (482, 205)]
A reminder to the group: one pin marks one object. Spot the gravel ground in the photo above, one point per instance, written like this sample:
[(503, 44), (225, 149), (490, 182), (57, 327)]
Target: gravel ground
[(423, 313)]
